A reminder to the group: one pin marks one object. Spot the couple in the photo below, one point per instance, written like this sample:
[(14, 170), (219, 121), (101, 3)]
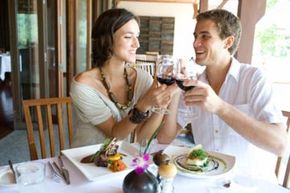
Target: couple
[(236, 111)]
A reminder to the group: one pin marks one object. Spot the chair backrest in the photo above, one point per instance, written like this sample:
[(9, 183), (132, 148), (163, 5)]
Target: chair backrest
[(282, 169), (44, 109), (147, 62)]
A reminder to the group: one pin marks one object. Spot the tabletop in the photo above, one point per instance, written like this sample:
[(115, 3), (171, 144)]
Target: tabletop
[(113, 184), (5, 64)]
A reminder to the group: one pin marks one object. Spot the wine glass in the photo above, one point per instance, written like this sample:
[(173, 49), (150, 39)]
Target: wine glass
[(186, 70), (165, 74)]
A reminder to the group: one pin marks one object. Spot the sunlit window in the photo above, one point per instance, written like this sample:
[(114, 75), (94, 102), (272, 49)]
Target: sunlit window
[(272, 48)]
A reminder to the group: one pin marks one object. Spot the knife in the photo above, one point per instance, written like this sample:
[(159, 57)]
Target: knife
[(13, 171), (64, 171)]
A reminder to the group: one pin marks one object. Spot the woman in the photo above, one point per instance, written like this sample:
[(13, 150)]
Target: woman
[(112, 99)]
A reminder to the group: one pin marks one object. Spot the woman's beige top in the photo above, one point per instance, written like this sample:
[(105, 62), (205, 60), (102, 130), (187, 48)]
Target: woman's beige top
[(92, 108)]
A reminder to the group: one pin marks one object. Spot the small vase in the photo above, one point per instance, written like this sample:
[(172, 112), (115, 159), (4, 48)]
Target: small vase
[(140, 183)]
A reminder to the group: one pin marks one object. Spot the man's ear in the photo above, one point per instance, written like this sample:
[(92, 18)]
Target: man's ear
[(228, 42)]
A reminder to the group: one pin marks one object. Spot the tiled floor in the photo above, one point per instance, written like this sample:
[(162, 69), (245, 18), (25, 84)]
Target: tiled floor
[(14, 147)]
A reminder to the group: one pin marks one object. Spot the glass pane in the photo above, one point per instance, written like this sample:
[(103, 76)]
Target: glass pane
[(27, 31), (29, 45), (272, 50)]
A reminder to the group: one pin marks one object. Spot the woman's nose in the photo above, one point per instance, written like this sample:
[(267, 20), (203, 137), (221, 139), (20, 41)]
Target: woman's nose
[(136, 43)]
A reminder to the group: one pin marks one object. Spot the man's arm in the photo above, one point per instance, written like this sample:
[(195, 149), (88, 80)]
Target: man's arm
[(271, 137)]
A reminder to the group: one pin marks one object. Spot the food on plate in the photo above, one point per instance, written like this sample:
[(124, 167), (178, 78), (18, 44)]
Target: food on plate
[(107, 156), (117, 165), (167, 170), (197, 159), (160, 158)]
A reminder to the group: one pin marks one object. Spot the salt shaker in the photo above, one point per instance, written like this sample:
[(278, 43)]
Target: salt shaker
[(167, 173)]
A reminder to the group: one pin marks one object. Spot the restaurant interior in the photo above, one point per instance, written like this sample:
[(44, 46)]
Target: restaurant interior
[(45, 43)]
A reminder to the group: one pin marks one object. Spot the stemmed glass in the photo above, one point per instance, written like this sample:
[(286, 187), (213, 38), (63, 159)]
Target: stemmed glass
[(186, 70), (165, 74)]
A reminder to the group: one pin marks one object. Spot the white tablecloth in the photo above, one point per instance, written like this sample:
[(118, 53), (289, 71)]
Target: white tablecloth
[(5, 65), (79, 184)]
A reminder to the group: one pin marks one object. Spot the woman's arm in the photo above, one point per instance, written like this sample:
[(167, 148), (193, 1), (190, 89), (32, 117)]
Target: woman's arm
[(170, 128)]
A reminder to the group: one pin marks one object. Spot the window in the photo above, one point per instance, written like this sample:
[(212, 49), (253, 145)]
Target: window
[(272, 48)]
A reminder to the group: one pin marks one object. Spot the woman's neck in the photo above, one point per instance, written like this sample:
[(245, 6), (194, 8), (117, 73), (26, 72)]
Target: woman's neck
[(114, 68)]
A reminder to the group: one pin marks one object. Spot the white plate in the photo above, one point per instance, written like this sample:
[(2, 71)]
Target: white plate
[(90, 170), (6, 178), (221, 165)]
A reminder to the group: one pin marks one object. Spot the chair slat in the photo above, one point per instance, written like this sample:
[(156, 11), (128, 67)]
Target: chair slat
[(47, 104), (50, 131), (69, 119), (60, 126), (30, 136), (40, 130), (282, 171)]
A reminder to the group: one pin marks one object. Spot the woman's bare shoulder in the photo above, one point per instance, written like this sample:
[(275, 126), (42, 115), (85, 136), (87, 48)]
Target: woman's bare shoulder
[(89, 77)]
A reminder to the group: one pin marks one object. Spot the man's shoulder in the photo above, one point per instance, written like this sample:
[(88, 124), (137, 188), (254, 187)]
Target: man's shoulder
[(246, 68)]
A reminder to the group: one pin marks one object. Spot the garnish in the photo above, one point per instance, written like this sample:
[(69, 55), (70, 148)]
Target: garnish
[(199, 153)]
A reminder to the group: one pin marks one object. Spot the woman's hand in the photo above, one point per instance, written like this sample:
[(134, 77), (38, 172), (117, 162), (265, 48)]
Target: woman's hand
[(157, 96)]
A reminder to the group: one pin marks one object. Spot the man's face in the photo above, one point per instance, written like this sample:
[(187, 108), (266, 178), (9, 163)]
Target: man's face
[(209, 47)]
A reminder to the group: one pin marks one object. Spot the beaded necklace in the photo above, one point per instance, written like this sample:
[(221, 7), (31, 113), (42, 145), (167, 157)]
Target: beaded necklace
[(112, 96)]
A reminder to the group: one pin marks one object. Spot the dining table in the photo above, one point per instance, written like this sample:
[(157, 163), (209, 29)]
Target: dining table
[(113, 183), (5, 64)]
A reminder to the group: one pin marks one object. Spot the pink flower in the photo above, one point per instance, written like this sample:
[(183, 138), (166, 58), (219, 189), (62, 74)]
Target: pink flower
[(141, 163)]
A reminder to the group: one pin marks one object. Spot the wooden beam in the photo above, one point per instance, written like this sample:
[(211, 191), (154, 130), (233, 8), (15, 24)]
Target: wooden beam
[(250, 12), (160, 1), (203, 5)]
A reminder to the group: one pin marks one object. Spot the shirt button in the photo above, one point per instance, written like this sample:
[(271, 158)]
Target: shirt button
[(216, 130)]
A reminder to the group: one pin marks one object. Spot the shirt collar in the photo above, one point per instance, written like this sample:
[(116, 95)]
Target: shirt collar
[(233, 71)]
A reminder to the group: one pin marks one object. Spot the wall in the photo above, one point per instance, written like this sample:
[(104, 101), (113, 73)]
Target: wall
[(184, 24)]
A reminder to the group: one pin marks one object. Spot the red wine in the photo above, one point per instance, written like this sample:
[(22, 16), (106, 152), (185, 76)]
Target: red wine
[(180, 85), (167, 81)]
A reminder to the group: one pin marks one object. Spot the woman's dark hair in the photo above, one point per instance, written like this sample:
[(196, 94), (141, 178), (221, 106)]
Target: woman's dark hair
[(227, 23), (103, 30)]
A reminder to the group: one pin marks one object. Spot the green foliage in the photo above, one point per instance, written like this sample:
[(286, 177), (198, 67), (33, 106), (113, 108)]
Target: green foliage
[(273, 42), (271, 3), (26, 29), (273, 39)]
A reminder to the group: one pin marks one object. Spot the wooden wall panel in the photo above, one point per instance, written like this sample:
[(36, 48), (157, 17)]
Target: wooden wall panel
[(156, 35)]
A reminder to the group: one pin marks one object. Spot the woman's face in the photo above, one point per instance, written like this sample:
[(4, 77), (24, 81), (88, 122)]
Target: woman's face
[(126, 42)]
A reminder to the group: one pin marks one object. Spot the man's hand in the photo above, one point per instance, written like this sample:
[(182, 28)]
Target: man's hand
[(202, 95)]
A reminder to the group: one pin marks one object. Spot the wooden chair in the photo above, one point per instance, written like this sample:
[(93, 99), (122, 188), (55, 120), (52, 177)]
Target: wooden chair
[(44, 109), (282, 169), (147, 62)]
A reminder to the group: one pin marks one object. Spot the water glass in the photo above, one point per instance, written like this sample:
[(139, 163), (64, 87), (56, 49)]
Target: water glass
[(30, 173)]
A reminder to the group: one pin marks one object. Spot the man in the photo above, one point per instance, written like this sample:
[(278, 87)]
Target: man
[(235, 110)]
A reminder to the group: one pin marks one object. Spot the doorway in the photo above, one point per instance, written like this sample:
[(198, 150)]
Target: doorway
[(33, 40)]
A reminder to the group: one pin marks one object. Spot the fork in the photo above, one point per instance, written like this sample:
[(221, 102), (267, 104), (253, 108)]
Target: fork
[(55, 176)]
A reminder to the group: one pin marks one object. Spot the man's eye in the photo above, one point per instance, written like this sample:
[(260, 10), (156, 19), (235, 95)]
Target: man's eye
[(205, 36), (128, 37)]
